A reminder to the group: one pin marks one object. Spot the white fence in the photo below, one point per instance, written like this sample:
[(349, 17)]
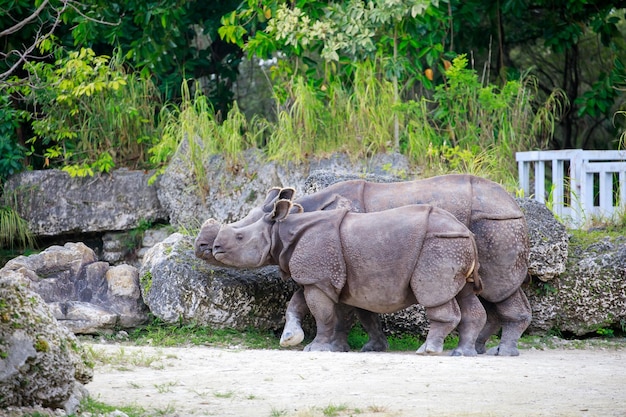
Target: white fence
[(578, 185)]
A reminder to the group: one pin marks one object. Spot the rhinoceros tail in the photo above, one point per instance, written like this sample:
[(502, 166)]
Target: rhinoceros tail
[(472, 275), (478, 283)]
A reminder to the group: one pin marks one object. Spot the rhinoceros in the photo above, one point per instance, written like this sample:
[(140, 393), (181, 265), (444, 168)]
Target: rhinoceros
[(483, 206), (382, 262)]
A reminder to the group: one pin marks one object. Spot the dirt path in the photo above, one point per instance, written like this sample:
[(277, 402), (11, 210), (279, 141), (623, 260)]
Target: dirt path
[(202, 381)]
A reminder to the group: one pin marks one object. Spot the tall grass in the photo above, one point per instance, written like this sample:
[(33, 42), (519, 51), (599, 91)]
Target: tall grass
[(14, 231), (196, 125), (353, 118), (465, 127)]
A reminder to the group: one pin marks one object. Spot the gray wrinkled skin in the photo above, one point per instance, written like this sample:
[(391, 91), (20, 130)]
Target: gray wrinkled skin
[(343, 257), (483, 206)]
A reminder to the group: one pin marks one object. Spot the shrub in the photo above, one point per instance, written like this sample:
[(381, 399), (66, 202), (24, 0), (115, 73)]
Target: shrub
[(89, 114), (11, 152)]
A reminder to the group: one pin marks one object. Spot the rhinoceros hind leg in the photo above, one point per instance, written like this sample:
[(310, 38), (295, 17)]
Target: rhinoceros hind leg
[(491, 327), (514, 315), (371, 324), (473, 319), (343, 324), (443, 319)]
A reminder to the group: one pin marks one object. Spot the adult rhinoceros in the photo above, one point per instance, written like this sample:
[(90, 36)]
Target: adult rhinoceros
[(342, 257), (483, 206)]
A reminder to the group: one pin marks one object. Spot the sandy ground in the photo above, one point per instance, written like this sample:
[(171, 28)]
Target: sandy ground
[(204, 381)]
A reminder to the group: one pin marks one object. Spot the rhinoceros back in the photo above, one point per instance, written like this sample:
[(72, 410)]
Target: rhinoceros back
[(467, 197)]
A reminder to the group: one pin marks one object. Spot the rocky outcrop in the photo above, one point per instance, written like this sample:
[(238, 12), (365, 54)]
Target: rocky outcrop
[(549, 240), (589, 295), (178, 287), (41, 362), (85, 295), (232, 189), (54, 203)]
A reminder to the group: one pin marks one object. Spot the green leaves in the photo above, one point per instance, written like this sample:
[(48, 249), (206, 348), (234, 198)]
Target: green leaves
[(11, 152), (93, 116)]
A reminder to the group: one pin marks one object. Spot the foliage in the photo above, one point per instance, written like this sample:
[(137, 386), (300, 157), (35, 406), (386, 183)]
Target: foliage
[(575, 46), (196, 125), (11, 152), (476, 128), (14, 231), (170, 41), (466, 127), (90, 114)]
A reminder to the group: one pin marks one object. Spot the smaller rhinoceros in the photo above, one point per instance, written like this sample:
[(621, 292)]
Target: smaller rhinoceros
[(383, 262)]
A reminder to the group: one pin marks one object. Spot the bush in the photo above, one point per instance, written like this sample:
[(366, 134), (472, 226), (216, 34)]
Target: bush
[(11, 152), (89, 114)]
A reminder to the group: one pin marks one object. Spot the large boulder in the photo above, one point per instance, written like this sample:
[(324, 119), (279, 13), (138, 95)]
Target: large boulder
[(549, 240), (589, 296), (85, 295), (54, 203), (178, 287), (42, 364), (232, 188)]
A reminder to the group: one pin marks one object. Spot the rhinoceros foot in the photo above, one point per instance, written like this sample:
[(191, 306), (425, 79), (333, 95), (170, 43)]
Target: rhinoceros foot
[(503, 350), (322, 347), (375, 346), (430, 349), (292, 335), (464, 352), (340, 346)]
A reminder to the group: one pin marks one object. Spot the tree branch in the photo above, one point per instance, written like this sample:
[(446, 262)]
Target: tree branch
[(26, 21)]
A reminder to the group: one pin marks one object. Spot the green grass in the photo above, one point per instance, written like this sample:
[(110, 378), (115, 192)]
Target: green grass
[(158, 333), (97, 408)]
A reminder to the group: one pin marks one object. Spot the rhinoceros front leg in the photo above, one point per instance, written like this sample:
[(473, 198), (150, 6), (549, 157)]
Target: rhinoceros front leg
[(443, 319), (371, 323), (323, 310), (473, 319), (513, 315), (297, 309)]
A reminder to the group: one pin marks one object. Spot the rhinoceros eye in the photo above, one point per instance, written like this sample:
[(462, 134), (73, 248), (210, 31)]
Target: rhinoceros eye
[(239, 236)]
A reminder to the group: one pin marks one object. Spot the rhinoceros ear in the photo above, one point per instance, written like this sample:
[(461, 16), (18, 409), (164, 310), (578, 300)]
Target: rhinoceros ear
[(281, 210), (296, 208), (272, 195), (287, 193)]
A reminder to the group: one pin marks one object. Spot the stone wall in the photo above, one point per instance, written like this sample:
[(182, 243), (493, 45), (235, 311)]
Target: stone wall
[(577, 290)]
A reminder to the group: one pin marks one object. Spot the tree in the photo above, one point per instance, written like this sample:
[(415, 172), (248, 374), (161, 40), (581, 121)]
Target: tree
[(576, 46), (319, 38)]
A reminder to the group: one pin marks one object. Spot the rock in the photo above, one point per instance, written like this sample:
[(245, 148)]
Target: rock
[(590, 295), (114, 247), (41, 362), (85, 295), (549, 240), (320, 179), (233, 188), (178, 287), (54, 203)]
